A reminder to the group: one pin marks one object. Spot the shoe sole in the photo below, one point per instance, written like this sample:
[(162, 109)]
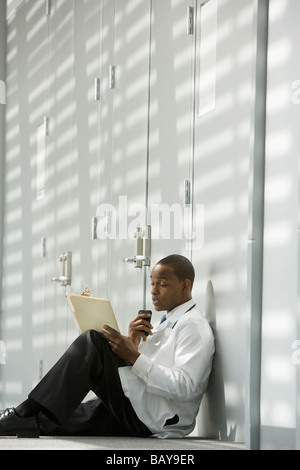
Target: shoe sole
[(27, 435), (22, 434)]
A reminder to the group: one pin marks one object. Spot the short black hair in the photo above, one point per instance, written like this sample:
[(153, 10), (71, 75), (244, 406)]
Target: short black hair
[(181, 265)]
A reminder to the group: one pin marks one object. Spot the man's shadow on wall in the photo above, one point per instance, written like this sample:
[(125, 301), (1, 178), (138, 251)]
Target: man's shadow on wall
[(212, 420)]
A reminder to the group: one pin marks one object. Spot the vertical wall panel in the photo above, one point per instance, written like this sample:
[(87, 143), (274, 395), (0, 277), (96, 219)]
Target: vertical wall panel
[(2, 130), (256, 224), (129, 152), (280, 303), (59, 55), (221, 182), (171, 110), (2, 178), (297, 435), (26, 55)]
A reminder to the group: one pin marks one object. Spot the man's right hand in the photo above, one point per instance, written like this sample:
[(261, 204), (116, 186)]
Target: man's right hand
[(138, 327)]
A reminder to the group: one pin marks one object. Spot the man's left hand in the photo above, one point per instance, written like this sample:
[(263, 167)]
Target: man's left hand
[(121, 345)]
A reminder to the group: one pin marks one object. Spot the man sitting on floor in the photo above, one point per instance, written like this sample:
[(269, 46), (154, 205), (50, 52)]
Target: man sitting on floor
[(149, 383)]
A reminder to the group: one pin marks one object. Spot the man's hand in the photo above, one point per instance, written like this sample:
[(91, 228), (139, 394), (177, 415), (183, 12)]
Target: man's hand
[(122, 346), (138, 327)]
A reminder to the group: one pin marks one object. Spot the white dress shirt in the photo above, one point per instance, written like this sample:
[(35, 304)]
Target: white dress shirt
[(172, 372)]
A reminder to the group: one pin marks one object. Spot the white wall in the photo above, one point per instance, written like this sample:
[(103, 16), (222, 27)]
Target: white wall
[(45, 79), (223, 141), (2, 130), (281, 249)]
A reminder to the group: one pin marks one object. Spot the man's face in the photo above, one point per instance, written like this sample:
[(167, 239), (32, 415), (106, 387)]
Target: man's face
[(167, 290)]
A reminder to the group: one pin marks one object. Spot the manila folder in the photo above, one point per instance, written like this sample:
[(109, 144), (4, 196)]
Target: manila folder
[(91, 313)]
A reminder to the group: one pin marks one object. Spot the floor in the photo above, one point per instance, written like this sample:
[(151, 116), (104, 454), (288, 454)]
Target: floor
[(114, 444)]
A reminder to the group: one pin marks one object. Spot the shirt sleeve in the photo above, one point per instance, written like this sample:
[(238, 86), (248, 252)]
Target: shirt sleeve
[(191, 366), (142, 367)]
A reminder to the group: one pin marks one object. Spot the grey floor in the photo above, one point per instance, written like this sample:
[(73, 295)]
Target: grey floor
[(115, 444)]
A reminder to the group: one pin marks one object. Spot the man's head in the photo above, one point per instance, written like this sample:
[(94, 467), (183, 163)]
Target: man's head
[(172, 281)]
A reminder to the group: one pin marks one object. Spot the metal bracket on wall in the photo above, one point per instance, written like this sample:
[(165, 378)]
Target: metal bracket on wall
[(97, 89), (48, 7), (187, 192), (190, 20), (66, 273), (112, 77), (143, 248)]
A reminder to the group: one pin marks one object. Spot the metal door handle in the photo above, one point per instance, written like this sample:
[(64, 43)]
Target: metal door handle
[(60, 279), (66, 271), (136, 258), (143, 248), (129, 260)]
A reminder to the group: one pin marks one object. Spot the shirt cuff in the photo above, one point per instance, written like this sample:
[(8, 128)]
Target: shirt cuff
[(142, 367)]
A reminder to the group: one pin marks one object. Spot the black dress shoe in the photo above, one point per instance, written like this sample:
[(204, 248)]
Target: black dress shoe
[(13, 425)]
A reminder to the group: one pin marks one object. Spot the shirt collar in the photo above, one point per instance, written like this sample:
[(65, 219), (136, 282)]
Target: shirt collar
[(174, 315)]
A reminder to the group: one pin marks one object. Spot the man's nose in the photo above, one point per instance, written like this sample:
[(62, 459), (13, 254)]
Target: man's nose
[(153, 290)]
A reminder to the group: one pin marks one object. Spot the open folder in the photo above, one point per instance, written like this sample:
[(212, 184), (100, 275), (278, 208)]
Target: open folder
[(91, 313)]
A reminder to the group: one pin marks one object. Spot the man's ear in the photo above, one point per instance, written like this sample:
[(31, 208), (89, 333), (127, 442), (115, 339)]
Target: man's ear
[(186, 284)]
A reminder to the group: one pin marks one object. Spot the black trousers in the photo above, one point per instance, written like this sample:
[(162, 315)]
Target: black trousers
[(88, 364)]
